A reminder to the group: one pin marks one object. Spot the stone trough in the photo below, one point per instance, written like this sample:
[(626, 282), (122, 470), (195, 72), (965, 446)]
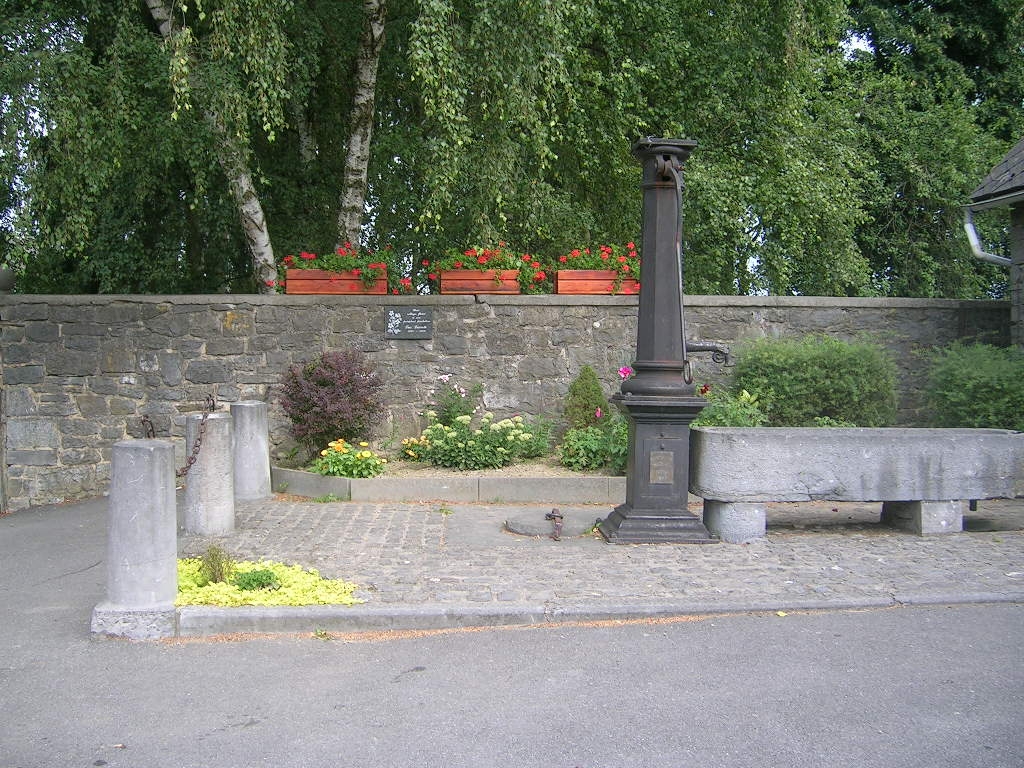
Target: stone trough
[(923, 477)]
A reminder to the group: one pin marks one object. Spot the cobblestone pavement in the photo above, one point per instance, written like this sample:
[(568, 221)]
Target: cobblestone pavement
[(814, 554)]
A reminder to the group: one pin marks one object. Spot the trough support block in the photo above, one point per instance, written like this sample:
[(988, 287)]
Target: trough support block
[(924, 517), (735, 522)]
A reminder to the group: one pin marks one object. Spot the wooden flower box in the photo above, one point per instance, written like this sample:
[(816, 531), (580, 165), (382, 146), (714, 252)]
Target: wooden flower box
[(477, 281), (319, 281), (580, 281)]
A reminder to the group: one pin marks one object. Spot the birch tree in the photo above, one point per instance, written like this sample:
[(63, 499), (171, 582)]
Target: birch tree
[(357, 158), (231, 146)]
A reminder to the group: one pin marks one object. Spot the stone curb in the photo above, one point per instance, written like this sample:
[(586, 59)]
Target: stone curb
[(593, 489), (206, 621)]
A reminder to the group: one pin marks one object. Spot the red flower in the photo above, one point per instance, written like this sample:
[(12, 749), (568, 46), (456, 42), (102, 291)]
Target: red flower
[(622, 258), (574, 253), (630, 246), (425, 262), (538, 276), (406, 282), (457, 265), (432, 276), (604, 256), (563, 259), (307, 256), (470, 252), (625, 267), (481, 259), (271, 283), (527, 257), (394, 290), (535, 264), (704, 390), (288, 260)]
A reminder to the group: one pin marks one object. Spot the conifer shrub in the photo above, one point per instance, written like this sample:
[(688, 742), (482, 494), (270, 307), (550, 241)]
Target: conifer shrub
[(976, 385), (585, 403), (335, 395), (799, 382)]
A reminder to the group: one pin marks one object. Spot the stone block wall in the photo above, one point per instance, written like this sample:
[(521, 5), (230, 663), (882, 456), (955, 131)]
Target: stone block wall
[(79, 372)]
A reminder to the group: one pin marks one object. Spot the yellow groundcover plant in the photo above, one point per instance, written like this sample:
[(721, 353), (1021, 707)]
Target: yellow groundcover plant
[(297, 587)]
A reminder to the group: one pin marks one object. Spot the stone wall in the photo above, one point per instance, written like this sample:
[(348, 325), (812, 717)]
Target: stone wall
[(79, 372)]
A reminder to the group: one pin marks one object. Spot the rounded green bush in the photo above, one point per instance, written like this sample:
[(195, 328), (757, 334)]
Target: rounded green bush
[(800, 381), (976, 385)]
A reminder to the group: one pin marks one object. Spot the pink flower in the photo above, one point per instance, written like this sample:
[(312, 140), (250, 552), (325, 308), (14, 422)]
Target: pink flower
[(597, 414), (625, 372)]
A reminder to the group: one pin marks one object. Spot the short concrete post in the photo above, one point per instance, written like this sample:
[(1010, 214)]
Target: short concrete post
[(142, 543), (209, 484), (251, 450)]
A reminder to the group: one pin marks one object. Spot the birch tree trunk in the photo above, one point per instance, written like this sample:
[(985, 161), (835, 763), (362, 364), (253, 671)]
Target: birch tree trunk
[(353, 197), (307, 142), (232, 161)]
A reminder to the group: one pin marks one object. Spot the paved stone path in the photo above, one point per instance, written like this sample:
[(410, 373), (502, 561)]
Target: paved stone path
[(815, 555)]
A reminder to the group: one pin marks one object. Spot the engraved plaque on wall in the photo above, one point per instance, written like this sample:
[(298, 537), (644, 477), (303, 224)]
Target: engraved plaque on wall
[(662, 467), (409, 323)]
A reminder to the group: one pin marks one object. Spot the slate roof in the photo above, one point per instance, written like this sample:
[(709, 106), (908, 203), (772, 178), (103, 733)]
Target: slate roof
[(1005, 180)]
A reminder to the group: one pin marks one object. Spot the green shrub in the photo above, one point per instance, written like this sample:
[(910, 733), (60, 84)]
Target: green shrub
[(976, 385), (584, 448), (486, 445), (538, 443), (452, 400), (337, 393), (800, 380), (261, 578), (726, 409), (215, 566), (342, 459), (618, 445), (605, 446), (585, 403)]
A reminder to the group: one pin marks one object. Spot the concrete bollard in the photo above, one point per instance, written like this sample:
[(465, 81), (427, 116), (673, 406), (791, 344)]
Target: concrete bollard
[(209, 484), (142, 543), (251, 450)]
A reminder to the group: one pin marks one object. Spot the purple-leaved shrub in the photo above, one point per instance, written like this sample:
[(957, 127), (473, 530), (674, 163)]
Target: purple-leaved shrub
[(335, 395)]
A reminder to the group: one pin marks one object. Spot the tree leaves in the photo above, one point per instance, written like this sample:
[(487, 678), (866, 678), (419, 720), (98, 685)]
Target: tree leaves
[(820, 169)]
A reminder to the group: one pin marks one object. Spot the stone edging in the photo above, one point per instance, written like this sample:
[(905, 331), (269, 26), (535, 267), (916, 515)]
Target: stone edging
[(587, 489)]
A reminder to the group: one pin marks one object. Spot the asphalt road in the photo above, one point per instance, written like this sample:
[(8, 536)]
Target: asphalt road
[(927, 686)]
